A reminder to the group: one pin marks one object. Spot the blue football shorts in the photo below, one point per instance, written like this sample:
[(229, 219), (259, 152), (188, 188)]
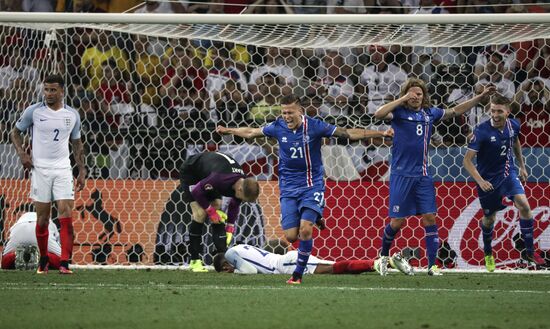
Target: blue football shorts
[(410, 196), (292, 208)]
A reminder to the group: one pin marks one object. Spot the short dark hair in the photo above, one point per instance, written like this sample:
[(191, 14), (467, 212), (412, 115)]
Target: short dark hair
[(251, 188), (291, 99), (218, 261), (55, 78), (499, 99)]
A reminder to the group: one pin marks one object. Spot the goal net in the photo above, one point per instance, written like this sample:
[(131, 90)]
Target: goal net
[(151, 89)]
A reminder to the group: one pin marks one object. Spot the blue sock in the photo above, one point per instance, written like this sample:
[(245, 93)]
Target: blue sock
[(526, 228), (432, 244), (387, 240), (487, 238), (304, 250)]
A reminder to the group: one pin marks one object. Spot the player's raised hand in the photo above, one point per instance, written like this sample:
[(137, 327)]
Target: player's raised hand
[(26, 160), (407, 96), (485, 186), (489, 90), (222, 130)]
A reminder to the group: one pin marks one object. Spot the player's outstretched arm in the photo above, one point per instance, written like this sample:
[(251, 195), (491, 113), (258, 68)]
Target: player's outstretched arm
[(385, 111), (467, 105), (472, 170), (17, 141), (358, 134), (78, 150), (519, 159), (244, 132)]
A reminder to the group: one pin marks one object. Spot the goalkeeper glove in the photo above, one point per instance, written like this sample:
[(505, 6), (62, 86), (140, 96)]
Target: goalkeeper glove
[(223, 216), (229, 230), (213, 215)]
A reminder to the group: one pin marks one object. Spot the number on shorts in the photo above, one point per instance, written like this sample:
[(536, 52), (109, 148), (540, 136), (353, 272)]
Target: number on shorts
[(319, 198), (419, 129)]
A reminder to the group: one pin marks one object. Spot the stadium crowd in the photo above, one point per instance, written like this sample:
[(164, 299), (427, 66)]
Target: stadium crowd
[(146, 99)]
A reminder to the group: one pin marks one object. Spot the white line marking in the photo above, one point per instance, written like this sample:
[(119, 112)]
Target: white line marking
[(117, 286)]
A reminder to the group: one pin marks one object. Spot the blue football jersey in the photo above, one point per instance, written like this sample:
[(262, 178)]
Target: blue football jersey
[(300, 161), (411, 140), (494, 150)]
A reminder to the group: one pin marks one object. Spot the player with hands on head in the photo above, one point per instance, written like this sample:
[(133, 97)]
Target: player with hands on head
[(412, 190)]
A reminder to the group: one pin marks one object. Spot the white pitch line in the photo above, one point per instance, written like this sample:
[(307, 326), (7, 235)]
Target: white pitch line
[(91, 286)]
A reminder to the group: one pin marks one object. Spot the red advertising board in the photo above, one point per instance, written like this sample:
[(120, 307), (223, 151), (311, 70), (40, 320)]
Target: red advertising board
[(356, 213)]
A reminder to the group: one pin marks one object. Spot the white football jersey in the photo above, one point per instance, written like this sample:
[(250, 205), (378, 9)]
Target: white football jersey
[(23, 233), (50, 131), (250, 260)]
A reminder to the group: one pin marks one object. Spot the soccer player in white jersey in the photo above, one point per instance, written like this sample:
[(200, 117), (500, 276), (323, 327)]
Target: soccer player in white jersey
[(52, 124), (245, 259), (21, 247)]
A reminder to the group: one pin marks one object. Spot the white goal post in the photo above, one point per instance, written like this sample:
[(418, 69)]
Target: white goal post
[(151, 88)]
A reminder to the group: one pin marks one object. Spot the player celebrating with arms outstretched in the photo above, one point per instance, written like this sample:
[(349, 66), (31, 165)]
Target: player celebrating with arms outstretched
[(301, 172)]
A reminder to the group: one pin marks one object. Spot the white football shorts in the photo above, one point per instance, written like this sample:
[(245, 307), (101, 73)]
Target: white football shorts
[(49, 185)]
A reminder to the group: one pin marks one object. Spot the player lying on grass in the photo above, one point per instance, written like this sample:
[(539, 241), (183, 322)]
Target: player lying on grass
[(245, 259)]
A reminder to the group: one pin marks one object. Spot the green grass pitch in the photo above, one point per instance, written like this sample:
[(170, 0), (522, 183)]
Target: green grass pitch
[(177, 299)]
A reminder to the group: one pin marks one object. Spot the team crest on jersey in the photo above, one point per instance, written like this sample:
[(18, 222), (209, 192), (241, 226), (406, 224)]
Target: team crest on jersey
[(395, 208), (208, 187), (67, 122)]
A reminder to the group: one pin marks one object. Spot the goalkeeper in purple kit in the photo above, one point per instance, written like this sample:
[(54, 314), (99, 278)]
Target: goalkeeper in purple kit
[(205, 178)]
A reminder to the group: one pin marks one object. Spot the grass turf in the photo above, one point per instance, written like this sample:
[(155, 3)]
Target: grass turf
[(177, 299)]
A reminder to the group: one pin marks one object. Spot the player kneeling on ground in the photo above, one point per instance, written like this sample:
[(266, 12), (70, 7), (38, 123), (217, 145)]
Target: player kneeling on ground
[(21, 251), (245, 259)]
